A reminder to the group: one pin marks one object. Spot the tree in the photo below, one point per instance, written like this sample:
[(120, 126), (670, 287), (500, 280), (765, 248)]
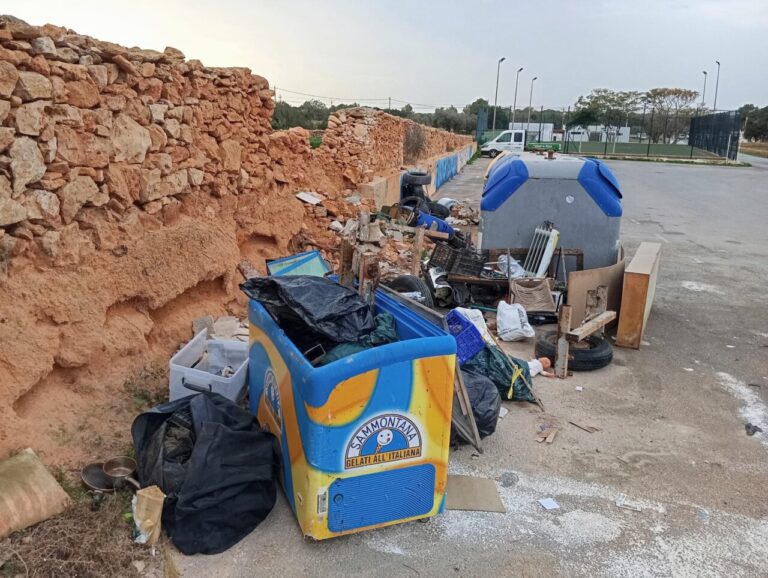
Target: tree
[(757, 125), (744, 112), (583, 117), (611, 108), (670, 104), (477, 106)]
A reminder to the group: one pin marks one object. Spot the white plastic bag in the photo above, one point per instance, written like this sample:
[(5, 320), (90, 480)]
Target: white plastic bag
[(476, 318), (512, 322), (515, 268)]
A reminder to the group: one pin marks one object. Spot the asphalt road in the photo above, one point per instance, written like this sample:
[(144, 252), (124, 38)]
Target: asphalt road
[(672, 419)]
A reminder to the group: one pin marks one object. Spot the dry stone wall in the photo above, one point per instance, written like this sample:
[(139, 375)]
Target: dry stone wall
[(132, 182)]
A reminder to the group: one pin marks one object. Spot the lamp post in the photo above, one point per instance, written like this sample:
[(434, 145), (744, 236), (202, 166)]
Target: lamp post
[(717, 85), (530, 103), (514, 105), (496, 98), (704, 92)]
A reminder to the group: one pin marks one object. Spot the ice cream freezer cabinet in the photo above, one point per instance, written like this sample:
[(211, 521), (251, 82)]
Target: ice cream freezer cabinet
[(365, 439)]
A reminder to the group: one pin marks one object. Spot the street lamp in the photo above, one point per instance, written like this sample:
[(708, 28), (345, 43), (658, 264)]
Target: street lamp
[(704, 92), (514, 106), (717, 85), (496, 98), (530, 103)]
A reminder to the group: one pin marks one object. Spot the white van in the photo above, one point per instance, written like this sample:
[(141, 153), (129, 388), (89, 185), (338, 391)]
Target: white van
[(509, 140)]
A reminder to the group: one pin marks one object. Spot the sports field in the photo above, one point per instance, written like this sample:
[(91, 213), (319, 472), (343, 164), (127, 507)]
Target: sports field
[(638, 149)]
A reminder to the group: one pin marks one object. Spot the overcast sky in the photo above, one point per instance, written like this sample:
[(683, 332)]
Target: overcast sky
[(441, 52)]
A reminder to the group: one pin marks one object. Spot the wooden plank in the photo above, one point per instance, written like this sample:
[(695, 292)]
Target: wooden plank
[(563, 348), (346, 271), (639, 289), (418, 244), (368, 277), (469, 416), (575, 335), (471, 280), (412, 231)]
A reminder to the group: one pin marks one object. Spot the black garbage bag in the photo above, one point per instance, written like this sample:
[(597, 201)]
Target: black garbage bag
[(385, 332), (335, 312), (216, 467), (485, 401), (500, 368)]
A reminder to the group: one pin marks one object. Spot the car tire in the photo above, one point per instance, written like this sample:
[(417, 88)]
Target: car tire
[(596, 355), (493, 153), (438, 210), (417, 178), (411, 283), (414, 204)]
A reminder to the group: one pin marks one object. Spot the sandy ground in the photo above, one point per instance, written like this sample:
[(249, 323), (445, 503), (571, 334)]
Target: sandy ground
[(672, 416)]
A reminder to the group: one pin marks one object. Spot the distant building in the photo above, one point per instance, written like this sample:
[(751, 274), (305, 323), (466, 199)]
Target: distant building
[(598, 133), (534, 132)]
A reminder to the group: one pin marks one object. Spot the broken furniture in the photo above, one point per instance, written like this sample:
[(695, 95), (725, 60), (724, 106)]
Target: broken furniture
[(364, 439), (637, 295), (209, 365), (467, 279), (597, 319), (581, 196)]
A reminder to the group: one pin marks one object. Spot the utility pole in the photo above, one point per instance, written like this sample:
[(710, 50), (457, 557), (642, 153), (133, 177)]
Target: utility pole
[(496, 97), (717, 85), (514, 105), (389, 106), (704, 92), (530, 104)]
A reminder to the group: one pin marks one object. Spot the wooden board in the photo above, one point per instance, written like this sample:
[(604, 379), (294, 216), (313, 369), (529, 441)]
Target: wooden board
[(583, 331), (581, 282), (639, 288)]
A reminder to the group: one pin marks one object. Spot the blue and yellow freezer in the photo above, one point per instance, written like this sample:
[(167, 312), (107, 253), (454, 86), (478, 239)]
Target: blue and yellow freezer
[(364, 439)]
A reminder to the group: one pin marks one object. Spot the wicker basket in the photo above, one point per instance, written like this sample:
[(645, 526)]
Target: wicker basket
[(533, 294)]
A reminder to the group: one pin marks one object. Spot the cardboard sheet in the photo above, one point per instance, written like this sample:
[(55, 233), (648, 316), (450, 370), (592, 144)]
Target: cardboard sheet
[(475, 494)]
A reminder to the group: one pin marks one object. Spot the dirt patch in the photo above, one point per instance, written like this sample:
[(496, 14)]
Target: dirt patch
[(92, 539)]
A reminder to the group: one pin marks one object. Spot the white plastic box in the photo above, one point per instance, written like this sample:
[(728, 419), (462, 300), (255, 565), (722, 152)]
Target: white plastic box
[(203, 377)]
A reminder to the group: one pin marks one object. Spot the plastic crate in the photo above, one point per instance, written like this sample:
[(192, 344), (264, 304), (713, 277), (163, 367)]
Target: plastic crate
[(191, 372), (469, 263), (469, 342), (443, 256)]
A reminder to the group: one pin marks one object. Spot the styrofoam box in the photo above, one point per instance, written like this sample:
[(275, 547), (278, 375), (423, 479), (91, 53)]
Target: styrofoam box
[(203, 377)]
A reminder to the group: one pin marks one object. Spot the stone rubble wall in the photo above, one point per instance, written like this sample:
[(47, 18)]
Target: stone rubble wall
[(132, 182)]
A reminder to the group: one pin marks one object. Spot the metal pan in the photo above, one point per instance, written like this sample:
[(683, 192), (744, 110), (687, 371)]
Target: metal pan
[(121, 470), (95, 479)]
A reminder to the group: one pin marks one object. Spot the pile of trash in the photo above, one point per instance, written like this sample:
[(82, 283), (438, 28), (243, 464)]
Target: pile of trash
[(325, 320)]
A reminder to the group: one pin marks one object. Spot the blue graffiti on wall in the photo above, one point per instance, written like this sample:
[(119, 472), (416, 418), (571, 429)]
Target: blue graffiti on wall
[(447, 167)]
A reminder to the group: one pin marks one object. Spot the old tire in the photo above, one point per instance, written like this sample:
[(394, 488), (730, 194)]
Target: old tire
[(592, 353), (415, 202), (411, 283), (417, 178), (438, 210)]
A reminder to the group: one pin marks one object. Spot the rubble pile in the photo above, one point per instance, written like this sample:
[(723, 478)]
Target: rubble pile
[(132, 183), (462, 214)]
